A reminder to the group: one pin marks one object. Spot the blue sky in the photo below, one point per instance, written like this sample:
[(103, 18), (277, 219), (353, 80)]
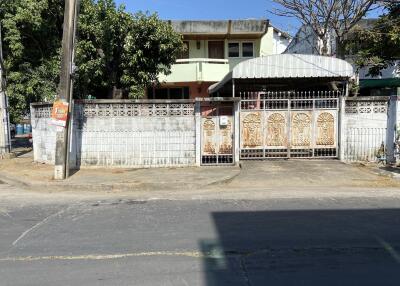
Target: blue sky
[(213, 9)]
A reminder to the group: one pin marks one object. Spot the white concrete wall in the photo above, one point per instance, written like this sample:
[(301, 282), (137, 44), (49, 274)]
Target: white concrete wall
[(304, 42), (136, 142), (44, 134), (123, 135), (140, 135), (365, 130), (279, 43)]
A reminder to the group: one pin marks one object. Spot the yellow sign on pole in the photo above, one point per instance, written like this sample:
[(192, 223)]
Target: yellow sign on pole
[(59, 114)]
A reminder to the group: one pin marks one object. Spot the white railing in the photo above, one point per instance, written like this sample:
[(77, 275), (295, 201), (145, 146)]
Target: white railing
[(197, 69), (202, 60)]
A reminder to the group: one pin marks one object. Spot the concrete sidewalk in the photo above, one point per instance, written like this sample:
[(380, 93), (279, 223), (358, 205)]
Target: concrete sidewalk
[(280, 174), (23, 172), (252, 177)]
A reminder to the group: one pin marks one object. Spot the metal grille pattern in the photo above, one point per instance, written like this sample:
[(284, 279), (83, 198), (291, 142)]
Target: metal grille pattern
[(283, 100), (289, 124), (217, 139), (358, 107), (136, 109), (365, 144), (41, 111)]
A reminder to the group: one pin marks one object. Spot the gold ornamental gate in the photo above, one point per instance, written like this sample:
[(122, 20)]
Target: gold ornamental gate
[(289, 124), (217, 129)]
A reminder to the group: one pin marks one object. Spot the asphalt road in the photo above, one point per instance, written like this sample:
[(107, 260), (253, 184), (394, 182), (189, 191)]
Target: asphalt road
[(112, 241)]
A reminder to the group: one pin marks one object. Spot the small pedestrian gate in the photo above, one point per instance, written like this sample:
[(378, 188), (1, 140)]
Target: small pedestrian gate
[(217, 133), (289, 124)]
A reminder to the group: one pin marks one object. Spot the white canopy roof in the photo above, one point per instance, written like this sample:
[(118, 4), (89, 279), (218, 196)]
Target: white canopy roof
[(288, 66)]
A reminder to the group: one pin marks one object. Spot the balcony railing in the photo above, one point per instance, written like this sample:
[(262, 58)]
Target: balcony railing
[(197, 70), (210, 61)]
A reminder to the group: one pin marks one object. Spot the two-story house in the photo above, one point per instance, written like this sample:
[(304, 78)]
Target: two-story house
[(213, 49)]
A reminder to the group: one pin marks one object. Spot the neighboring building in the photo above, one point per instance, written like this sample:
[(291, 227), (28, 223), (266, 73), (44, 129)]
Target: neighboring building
[(214, 48), (306, 42)]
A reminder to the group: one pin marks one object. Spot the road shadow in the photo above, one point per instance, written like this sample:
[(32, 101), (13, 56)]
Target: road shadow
[(391, 169), (75, 152), (21, 146), (21, 142), (315, 247)]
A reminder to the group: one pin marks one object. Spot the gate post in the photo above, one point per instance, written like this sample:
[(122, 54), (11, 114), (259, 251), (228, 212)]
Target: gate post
[(342, 123), (197, 115), (391, 130), (236, 133)]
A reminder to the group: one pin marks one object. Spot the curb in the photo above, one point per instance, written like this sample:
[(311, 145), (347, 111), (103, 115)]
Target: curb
[(13, 181), (116, 187), (386, 173)]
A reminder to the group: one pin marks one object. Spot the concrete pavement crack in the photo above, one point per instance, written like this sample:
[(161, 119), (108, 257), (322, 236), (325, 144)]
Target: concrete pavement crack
[(39, 224)]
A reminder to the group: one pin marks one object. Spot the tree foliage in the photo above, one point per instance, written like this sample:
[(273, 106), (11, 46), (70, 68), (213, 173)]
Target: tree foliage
[(120, 51), (31, 35), (326, 18), (378, 47), (115, 50)]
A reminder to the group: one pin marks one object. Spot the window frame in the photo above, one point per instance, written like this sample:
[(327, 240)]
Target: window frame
[(253, 50), (239, 49), (184, 90)]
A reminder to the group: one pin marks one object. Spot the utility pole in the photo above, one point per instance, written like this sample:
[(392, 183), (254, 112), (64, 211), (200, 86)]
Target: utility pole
[(5, 135), (61, 171)]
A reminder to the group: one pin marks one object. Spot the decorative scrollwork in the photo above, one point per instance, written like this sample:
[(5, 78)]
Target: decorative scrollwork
[(137, 109), (276, 130), (360, 107), (326, 129), (301, 130), (226, 133), (43, 111), (208, 133), (252, 130)]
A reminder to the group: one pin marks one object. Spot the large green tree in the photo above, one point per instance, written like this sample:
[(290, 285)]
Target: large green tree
[(32, 30), (378, 47), (117, 52)]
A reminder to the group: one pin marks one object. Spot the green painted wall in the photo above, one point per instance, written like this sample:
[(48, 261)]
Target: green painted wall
[(215, 72), (266, 43)]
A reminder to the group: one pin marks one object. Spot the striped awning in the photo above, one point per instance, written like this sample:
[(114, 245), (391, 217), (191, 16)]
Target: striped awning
[(285, 66)]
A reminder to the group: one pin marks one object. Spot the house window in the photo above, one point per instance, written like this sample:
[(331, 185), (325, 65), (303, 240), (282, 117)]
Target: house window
[(168, 93), (179, 93), (161, 93), (233, 50), (248, 50), (216, 49)]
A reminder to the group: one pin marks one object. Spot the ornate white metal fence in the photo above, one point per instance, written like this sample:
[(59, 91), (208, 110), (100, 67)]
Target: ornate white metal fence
[(143, 133), (289, 124), (217, 134)]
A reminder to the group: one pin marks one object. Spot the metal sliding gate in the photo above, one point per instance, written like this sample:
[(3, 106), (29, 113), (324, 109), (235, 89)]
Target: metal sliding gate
[(289, 124), (217, 129)]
